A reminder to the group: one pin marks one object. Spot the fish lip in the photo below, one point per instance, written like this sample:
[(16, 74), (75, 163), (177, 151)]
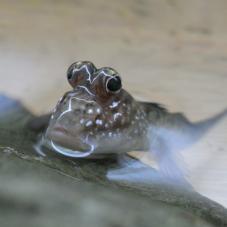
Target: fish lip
[(60, 129), (58, 133)]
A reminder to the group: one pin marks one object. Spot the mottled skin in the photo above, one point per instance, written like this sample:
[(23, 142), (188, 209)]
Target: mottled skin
[(98, 117), (94, 116)]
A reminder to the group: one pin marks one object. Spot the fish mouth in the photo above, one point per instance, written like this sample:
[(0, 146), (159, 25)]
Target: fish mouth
[(64, 142), (60, 130)]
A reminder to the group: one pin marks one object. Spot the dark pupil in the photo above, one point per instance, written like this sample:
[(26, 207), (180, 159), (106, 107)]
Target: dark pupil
[(114, 84), (69, 75)]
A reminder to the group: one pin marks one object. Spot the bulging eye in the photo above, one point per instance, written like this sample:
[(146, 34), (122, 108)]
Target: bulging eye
[(79, 72), (113, 84)]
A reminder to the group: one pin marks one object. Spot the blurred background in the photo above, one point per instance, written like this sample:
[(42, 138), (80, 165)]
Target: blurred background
[(168, 51)]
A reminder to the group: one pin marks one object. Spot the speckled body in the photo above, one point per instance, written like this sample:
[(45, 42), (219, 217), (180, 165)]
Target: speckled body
[(120, 122)]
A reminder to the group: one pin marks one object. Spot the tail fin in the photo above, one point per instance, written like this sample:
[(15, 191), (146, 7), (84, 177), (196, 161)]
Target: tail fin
[(199, 129), (173, 134)]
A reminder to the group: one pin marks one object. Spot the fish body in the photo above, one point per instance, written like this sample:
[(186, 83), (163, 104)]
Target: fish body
[(85, 125), (98, 117)]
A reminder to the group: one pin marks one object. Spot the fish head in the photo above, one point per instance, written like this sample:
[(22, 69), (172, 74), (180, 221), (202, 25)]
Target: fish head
[(97, 117)]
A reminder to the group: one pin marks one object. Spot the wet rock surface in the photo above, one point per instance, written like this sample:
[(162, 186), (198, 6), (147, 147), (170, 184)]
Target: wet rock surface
[(55, 191), (34, 195)]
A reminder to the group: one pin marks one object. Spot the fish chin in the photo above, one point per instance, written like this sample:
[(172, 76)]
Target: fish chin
[(61, 141), (71, 152)]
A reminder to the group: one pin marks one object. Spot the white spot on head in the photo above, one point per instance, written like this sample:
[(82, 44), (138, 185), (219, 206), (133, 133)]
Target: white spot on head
[(98, 110), (114, 104), (81, 121), (117, 115), (90, 111), (89, 123), (99, 122)]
